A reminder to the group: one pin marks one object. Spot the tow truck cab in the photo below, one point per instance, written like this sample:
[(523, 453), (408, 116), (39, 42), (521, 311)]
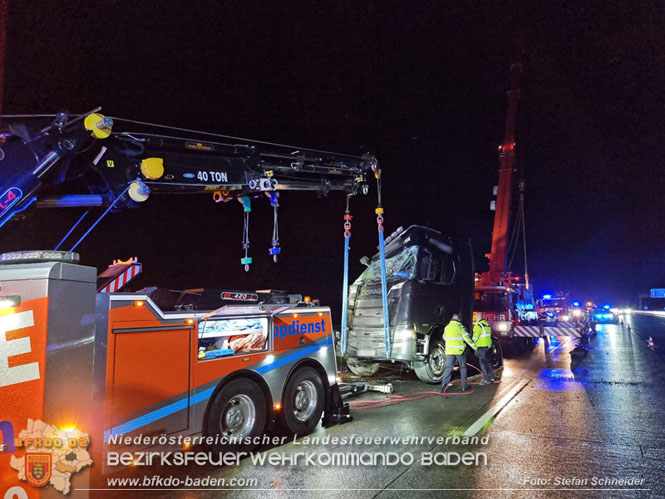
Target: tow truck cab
[(429, 277)]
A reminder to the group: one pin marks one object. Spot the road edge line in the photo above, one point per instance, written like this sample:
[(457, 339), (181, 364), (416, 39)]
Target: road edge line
[(492, 411)]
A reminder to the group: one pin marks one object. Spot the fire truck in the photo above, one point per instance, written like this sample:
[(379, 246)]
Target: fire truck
[(77, 352), (506, 300), (554, 310)]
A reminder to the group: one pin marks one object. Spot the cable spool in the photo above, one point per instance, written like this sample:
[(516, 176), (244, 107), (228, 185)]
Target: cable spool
[(138, 191), (98, 125)]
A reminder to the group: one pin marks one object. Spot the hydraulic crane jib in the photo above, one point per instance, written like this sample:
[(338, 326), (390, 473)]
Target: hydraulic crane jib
[(122, 168)]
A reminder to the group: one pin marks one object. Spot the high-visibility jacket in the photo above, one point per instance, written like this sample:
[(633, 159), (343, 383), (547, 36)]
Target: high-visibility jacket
[(482, 334), (455, 335)]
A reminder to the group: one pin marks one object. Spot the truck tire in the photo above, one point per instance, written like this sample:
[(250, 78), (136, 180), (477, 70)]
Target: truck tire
[(496, 354), (362, 367), (303, 401), (431, 371), (237, 410)]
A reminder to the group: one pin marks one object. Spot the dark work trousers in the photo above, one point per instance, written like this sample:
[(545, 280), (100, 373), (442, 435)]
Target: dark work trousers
[(450, 363), (485, 363)]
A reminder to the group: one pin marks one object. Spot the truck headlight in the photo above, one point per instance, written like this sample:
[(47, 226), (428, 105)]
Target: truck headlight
[(404, 333), (502, 326)]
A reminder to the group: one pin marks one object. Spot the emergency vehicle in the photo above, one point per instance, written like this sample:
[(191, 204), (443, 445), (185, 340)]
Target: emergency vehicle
[(75, 351), (554, 310), (506, 299)]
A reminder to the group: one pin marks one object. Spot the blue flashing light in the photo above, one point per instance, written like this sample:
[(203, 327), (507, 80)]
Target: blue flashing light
[(547, 297), (576, 304), (606, 307)]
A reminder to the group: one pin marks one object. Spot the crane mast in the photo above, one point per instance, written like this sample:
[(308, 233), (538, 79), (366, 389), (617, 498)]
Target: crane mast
[(497, 257)]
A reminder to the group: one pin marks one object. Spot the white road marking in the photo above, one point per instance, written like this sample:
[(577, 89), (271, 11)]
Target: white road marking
[(511, 392), (482, 420)]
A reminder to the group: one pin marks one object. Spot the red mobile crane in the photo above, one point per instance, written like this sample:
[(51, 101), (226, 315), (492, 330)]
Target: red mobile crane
[(506, 303)]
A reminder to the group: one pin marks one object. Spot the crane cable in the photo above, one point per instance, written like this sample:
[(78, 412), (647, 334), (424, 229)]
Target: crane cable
[(247, 209), (520, 227), (274, 202), (345, 286), (512, 245), (526, 267)]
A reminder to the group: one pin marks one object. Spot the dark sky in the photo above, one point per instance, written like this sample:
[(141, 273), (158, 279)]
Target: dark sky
[(419, 84)]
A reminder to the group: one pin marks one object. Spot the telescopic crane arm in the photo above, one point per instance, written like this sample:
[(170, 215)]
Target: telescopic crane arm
[(125, 167), (497, 257)]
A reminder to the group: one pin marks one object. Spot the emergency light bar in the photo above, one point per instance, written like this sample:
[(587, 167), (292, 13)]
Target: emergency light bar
[(39, 256)]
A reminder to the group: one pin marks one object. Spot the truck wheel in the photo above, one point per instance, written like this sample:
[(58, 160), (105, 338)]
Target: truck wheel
[(304, 398), (496, 355), (239, 411), (362, 367), (431, 371)]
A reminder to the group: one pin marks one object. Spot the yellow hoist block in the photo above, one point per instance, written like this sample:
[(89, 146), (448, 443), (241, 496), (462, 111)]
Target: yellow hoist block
[(152, 168)]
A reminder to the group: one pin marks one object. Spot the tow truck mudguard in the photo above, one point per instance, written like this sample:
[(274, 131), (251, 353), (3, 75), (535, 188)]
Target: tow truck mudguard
[(336, 411)]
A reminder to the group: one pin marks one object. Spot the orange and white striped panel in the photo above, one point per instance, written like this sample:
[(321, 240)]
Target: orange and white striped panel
[(527, 331), (562, 331), (119, 282)]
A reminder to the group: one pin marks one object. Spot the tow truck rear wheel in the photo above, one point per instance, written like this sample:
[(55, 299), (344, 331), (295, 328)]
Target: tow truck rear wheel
[(304, 398), (237, 411), (431, 371), (362, 367)]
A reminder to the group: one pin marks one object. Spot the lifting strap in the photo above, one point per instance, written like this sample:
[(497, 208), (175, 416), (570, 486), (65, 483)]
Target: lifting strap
[(345, 286), (247, 207), (382, 257)]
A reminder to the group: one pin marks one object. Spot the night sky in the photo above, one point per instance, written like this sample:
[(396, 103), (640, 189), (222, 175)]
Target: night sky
[(419, 84)]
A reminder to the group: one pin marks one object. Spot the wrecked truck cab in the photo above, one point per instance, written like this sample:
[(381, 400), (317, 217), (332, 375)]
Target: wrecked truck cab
[(429, 277)]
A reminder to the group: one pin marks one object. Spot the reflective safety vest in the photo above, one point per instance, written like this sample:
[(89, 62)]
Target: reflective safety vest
[(482, 334), (455, 335)]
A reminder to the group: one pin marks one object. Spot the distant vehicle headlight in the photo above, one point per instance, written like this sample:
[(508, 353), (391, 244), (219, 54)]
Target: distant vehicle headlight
[(565, 318), (577, 313)]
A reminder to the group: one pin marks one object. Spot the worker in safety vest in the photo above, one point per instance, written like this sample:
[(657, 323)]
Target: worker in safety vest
[(455, 335), (482, 337)]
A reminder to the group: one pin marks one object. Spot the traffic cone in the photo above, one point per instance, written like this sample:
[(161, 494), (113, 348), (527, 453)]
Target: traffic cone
[(651, 345)]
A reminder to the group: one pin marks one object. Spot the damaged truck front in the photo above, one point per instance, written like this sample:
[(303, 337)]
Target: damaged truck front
[(430, 276)]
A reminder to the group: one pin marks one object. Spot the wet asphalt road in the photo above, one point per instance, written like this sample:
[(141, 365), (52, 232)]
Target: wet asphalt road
[(589, 418)]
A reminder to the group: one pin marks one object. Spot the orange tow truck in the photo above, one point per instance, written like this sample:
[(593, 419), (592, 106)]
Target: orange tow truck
[(86, 369)]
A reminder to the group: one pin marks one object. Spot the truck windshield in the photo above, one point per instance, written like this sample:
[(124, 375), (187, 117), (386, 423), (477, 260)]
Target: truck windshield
[(491, 302), (401, 265)]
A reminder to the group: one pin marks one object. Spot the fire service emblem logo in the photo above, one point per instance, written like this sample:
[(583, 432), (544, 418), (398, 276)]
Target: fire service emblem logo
[(38, 468)]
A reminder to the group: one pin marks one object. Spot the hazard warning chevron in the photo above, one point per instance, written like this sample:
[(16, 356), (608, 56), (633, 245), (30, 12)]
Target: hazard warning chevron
[(537, 332), (527, 331), (119, 282)]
